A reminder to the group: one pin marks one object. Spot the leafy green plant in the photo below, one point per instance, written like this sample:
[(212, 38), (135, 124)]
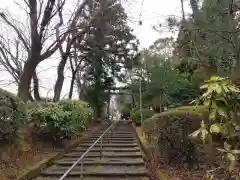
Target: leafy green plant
[(132, 114), (53, 121), (146, 113), (222, 98), (81, 112), (169, 133), (13, 115), (61, 120)]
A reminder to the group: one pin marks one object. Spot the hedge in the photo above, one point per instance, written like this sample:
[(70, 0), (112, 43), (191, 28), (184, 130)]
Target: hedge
[(58, 121), (51, 121), (132, 113), (170, 130), (146, 113), (13, 115)]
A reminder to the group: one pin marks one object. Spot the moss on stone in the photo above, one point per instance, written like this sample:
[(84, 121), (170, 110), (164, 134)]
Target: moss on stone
[(161, 175)]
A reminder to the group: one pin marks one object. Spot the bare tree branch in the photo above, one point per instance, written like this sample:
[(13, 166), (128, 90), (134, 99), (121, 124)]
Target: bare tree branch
[(40, 9), (17, 30), (47, 16)]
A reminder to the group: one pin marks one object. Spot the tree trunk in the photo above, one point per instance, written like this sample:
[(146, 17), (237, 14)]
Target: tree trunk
[(25, 80), (160, 103), (195, 9), (72, 85), (60, 78), (79, 85), (108, 107), (97, 87), (133, 101), (36, 87), (183, 12), (237, 66)]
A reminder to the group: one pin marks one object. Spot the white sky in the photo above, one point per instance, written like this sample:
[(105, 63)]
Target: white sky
[(153, 12)]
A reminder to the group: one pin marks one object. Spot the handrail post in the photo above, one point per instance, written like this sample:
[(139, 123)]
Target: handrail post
[(112, 131), (82, 163), (101, 148)]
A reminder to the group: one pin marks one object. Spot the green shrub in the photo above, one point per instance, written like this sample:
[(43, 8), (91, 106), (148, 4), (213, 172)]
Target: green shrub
[(222, 99), (55, 122), (125, 110), (170, 132), (59, 121), (81, 112), (34, 108), (146, 113), (132, 114), (12, 115)]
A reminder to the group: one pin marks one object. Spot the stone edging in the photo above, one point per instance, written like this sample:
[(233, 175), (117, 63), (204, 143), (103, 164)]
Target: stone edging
[(46, 163), (143, 148)]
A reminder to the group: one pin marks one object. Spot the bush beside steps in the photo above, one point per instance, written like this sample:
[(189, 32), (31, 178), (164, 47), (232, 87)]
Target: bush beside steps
[(169, 132), (136, 115), (13, 116), (60, 121), (50, 121)]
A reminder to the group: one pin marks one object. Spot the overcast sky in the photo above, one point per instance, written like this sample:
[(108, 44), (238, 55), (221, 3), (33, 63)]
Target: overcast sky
[(152, 12)]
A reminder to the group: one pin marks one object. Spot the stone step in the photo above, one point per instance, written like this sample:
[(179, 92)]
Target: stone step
[(113, 138), (95, 178), (108, 145), (106, 149), (106, 161), (105, 154), (109, 141), (114, 133), (121, 158), (123, 130), (106, 170)]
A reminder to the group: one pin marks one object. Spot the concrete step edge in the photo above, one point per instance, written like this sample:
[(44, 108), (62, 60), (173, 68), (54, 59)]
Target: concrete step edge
[(111, 174), (102, 163), (106, 156)]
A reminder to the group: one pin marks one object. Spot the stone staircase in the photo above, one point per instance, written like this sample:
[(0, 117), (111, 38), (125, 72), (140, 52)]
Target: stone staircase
[(121, 158)]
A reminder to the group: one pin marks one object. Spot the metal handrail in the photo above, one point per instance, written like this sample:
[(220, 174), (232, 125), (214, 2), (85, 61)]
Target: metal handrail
[(84, 154)]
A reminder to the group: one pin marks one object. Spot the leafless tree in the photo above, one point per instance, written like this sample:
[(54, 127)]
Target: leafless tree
[(76, 65), (10, 59), (13, 51), (41, 43)]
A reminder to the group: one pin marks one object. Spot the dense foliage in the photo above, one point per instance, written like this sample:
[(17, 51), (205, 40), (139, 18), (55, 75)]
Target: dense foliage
[(111, 46), (60, 120), (208, 39), (13, 115), (80, 111), (222, 99), (51, 121), (146, 113), (133, 114), (169, 132), (162, 84)]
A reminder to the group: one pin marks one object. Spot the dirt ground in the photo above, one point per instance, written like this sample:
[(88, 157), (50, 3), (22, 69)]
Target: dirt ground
[(15, 161), (24, 155)]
